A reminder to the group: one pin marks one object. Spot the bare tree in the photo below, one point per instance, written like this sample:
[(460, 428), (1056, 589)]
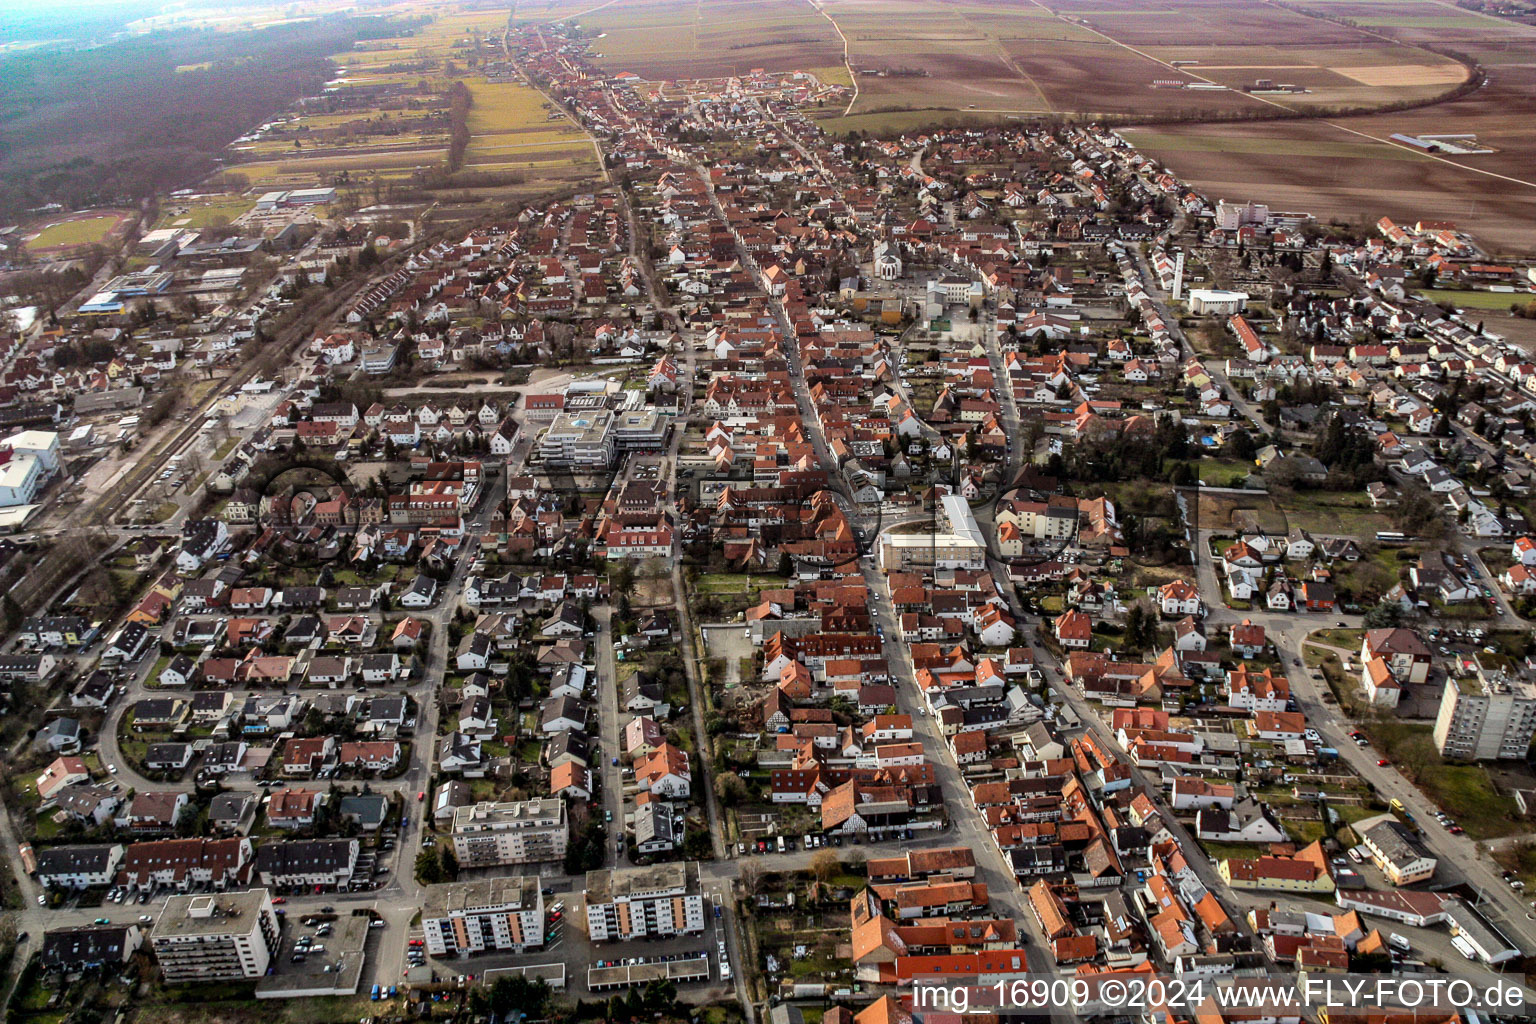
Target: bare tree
[(825, 865)]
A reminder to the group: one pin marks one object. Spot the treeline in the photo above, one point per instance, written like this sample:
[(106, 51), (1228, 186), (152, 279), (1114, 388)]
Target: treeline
[(459, 102), (119, 123)]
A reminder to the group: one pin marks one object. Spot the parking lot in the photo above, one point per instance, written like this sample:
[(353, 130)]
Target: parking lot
[(674, 957), (323, 957)]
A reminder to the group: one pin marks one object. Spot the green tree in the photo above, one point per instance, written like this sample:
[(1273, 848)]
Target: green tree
[(429, 868), (1240, 445), (519, 993), (13, 614)]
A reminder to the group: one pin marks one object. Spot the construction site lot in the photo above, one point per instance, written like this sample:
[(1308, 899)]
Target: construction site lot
[(1337, 171), (62, 235)]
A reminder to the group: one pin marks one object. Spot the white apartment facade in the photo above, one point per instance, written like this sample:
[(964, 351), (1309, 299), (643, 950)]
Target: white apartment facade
[(514, 832), (1487, 718), (488, 915), (220, 937), (632, 903)]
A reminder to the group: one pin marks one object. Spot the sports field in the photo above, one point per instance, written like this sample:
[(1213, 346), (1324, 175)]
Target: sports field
[(79, 231)]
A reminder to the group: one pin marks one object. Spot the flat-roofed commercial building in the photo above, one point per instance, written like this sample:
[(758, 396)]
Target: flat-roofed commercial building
[(634, 903), (514, 832), (1396, 850), (955, 543), (639, 430), (492, 914), (220, 937), (1474, 935), (579, 440)]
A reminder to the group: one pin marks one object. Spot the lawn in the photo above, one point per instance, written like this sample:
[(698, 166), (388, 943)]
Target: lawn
[(1304, 831), (1348, 639), (1333, 514), (202, 215), (1239, 851), (733, 583), (82, 231), (1521, 859), (1464, 791), (1223, 472)]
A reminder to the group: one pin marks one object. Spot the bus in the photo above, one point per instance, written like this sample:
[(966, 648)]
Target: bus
[(1397, 805), (1391, 537)]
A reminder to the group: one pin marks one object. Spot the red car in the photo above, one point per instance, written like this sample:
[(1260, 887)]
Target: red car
[(1456, 830), (417, 943), (1382, 762), (421, 794), (279, 899)]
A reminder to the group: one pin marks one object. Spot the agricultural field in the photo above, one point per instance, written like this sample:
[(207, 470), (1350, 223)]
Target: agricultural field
[(515, 132), (1098, 76), (990, 59), (1347, 174), (674, 39), (1333, 76)]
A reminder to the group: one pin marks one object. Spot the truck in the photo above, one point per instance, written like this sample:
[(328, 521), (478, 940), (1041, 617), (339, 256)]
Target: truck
[(1399, 943)]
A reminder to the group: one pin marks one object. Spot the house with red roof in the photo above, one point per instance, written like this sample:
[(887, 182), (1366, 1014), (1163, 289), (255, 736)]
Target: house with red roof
[(1073, 629)]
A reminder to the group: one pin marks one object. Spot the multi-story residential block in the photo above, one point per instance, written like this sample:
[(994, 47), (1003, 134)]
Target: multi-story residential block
[(632, 903), (222, 937), (1487, 716), (515, 832), (500, 914)]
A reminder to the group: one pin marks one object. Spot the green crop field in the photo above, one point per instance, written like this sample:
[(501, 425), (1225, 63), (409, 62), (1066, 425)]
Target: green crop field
[(1478, 300)]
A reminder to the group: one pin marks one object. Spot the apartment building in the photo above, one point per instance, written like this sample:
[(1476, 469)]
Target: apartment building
[(221, 937), (1489, 716), (514, 832), (500, 914), (632, 903)]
